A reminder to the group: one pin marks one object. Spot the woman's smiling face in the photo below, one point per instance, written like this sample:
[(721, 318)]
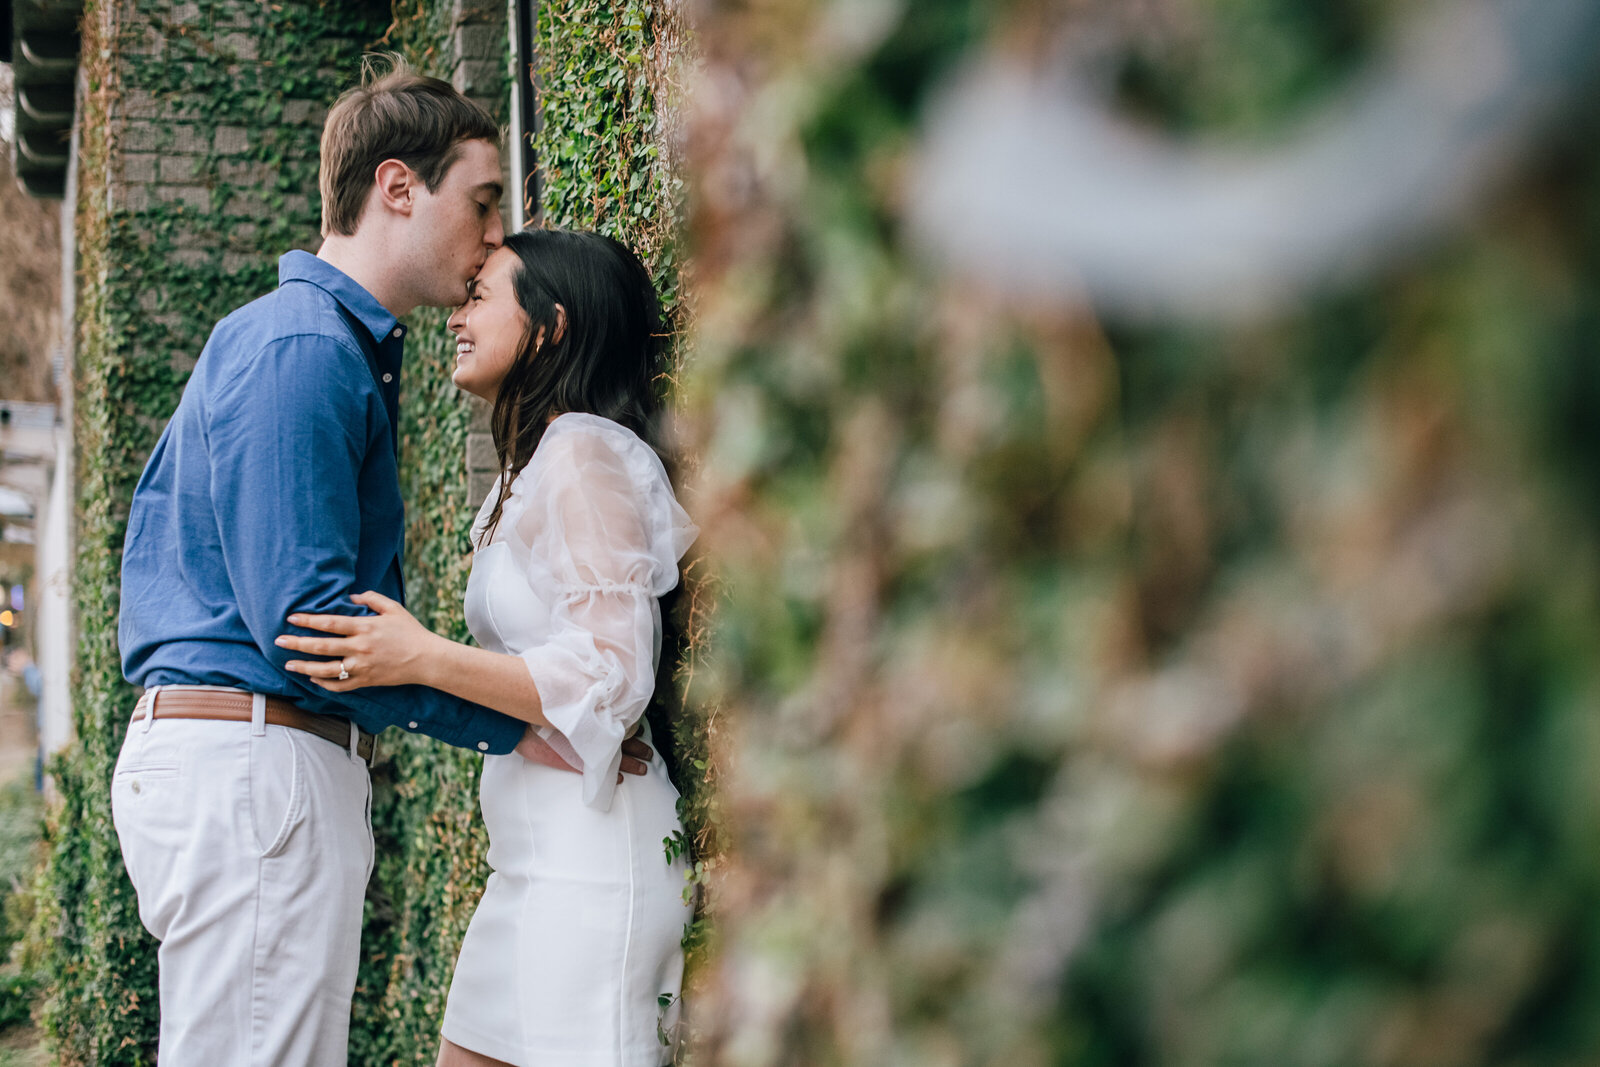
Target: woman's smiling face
[(490, 328)]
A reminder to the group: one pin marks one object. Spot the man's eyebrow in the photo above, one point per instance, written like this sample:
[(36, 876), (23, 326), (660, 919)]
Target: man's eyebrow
[(494, 187)]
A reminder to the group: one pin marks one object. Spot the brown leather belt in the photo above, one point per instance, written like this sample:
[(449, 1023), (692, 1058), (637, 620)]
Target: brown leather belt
[(233, 705)]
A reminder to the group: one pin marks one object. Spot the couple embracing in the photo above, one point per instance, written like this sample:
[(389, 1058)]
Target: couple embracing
[(261, 612)]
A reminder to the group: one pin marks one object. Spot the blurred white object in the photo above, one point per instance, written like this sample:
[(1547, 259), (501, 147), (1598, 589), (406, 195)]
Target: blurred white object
[(1027, 182)]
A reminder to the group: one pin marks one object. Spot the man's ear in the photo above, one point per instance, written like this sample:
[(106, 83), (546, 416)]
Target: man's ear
[(395, 183), (561, 325)]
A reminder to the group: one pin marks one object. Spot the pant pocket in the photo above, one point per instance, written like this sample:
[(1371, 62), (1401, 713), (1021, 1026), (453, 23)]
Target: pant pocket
[(136, 772), (150, 810), (277, 789), (372, 844)]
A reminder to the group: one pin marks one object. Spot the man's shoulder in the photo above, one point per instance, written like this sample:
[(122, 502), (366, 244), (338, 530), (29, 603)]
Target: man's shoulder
[(295, 332), (294, 312)]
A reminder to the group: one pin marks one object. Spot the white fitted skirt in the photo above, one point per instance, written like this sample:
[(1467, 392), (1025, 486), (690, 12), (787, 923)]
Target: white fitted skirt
[(574, 955)]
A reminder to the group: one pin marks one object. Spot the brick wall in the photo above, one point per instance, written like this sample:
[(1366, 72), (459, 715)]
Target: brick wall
[(167, 155), (480, 44)]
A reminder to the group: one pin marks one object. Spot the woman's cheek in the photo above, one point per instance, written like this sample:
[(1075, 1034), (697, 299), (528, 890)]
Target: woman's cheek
[(495, 369)]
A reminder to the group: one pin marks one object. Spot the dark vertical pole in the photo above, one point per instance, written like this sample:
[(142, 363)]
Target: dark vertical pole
[(532, 191)]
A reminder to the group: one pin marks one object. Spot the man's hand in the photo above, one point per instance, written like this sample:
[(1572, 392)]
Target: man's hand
[(636, 755)]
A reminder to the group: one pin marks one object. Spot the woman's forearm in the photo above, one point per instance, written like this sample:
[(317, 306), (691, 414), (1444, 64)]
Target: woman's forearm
[(494, 679)]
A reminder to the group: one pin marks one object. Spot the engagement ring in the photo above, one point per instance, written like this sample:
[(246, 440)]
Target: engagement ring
[(343, 674)]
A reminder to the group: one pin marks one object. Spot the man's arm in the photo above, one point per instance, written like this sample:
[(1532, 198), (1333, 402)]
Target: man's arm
[(288, 436)]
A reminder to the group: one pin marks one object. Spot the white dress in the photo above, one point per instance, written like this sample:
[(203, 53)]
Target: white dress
[(573, 957)]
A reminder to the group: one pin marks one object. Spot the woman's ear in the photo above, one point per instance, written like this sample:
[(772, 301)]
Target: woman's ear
[(561, 325)]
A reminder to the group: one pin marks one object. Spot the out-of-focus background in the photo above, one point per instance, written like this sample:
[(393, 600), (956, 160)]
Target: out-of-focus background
[(30, 440), (1151, 457), (1146, 610)]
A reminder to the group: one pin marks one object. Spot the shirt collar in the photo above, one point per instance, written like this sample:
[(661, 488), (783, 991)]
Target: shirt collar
[(299, 265)]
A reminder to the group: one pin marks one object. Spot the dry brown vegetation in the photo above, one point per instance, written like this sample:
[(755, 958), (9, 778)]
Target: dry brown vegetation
[(30, 287)]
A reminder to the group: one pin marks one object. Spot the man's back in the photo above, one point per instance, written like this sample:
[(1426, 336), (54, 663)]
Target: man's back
[(244, 455), (275, 489)]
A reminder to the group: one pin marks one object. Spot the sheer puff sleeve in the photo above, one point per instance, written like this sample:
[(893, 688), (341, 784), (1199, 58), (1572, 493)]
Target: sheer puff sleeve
[(602, 534)]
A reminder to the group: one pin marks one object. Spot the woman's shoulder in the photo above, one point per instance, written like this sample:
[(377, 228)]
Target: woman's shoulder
[(573, 428), (576, 440), (589, 449)]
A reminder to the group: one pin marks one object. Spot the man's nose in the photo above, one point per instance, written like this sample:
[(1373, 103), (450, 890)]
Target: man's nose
[(496, 234)]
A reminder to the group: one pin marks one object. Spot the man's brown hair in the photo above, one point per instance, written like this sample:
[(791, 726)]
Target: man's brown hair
[(400, 115)]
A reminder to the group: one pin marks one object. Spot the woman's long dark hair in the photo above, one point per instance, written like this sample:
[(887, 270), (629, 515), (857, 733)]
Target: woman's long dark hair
[(603, 358)]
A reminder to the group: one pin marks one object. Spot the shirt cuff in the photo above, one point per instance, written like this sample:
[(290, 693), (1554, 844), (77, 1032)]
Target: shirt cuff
[(418, 709)]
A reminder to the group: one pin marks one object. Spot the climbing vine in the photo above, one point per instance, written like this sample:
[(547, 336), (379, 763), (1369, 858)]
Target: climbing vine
[(603, 169), (197, 169), (610, 74)]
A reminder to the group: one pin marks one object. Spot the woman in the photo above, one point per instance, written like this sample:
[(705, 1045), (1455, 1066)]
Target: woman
[(573, 956)]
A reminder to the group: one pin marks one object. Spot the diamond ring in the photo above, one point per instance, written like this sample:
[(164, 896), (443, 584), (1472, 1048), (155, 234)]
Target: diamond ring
[(343, 674)]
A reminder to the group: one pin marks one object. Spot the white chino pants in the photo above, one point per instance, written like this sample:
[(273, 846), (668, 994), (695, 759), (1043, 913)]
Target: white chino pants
[(250, 847)]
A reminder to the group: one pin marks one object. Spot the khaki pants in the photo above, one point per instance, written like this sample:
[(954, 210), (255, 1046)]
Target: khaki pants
[(250, 847)]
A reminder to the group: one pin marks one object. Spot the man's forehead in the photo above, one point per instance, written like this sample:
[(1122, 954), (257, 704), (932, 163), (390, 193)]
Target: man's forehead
[(477, 165)]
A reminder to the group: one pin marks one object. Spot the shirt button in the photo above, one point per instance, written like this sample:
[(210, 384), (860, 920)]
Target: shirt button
[(483, 746), (411, 726), (388, 377), (399, 331)]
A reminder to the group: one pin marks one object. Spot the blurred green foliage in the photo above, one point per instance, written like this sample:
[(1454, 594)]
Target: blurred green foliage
[(21, 830), (1116, 694), (21, 837)]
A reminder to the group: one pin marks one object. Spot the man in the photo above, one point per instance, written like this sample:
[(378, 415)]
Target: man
[(242, 798)]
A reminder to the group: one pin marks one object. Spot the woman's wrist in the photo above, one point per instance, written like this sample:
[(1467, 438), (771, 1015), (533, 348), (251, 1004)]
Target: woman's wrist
[(432, 665)]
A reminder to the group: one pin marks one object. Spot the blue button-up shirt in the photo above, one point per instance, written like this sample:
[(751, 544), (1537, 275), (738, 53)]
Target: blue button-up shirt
[(274, 489)]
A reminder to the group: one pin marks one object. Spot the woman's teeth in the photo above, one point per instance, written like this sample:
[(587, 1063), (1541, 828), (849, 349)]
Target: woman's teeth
[(463, 348)]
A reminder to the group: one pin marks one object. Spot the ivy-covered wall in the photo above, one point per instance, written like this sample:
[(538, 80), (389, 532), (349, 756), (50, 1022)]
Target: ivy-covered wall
[(612, 100), (601, 67), (1117, 696), (197, 169)]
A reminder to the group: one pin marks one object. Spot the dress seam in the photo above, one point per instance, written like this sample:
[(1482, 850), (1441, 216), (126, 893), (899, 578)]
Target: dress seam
[(627, 942), (525, 911)]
